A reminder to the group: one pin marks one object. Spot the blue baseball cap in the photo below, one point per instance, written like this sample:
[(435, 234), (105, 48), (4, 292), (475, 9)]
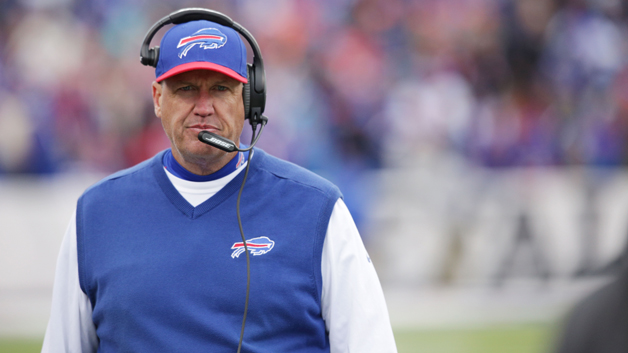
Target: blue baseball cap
[(201, 45)]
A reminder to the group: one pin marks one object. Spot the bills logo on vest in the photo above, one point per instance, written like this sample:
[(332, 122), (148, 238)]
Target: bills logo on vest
[(240, 160), (206, 38), (257, 246)]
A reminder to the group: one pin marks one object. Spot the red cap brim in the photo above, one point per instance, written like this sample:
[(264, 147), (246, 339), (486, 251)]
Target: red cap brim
[(201, 65)]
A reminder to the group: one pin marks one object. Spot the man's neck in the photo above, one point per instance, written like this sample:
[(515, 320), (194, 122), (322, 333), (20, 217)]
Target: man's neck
[(202, 165)]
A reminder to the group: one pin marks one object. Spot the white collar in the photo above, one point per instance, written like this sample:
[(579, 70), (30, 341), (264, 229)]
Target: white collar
[(197, 192)]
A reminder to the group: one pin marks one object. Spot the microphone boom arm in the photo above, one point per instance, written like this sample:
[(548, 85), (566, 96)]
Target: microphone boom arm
[(227, 145)]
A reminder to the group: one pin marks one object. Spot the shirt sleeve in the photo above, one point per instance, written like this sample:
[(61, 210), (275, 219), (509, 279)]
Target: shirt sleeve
[(70, 328), (353, 304)]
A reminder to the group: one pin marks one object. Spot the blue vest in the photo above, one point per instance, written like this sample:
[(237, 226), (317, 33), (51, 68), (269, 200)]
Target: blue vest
[(164, 276)]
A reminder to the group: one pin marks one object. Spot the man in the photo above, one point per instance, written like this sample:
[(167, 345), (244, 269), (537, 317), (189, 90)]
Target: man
[(151, 259)]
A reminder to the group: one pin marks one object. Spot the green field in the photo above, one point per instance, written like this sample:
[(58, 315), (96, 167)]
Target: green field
[(509, 339), (19, 345)]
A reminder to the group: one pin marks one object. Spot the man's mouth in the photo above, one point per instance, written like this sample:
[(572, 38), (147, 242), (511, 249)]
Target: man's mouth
[(201, 127)]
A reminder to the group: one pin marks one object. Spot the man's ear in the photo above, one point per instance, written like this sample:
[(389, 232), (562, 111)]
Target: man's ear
[(157, 90)]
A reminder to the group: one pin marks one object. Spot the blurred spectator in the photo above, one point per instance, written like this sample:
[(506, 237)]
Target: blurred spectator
[(504, 83), (17, 132), (353, 85)]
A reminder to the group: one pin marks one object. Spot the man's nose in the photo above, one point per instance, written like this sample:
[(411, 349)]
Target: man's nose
[(204, 104)]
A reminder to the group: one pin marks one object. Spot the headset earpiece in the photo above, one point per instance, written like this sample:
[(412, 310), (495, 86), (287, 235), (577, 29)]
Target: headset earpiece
[(154, 55), (257, 92), (246, 92)]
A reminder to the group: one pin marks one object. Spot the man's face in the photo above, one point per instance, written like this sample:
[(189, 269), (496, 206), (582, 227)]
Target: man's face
[(194, 101)]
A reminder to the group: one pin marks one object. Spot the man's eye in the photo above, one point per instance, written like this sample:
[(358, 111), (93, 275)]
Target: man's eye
[(186, 88), (221, 88)]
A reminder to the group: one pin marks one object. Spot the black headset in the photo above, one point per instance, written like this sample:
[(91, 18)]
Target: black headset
[(254, 91)]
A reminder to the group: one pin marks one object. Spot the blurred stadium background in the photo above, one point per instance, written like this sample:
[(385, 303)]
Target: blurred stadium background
[(481, 145)]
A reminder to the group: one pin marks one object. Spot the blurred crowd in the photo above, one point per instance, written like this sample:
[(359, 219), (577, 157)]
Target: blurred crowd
[(352, 84)]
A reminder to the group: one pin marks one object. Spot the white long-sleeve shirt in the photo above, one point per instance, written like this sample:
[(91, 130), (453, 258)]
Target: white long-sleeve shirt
[(353, 304)]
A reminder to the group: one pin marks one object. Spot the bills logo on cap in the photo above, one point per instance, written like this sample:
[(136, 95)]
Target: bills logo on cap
[(206, 38), (257, 246)]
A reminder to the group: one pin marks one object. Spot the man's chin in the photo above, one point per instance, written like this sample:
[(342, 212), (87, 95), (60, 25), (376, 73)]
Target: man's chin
[(205, 152)]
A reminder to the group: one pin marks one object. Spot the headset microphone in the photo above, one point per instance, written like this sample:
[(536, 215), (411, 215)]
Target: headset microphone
[(218, 141), (227, 145)]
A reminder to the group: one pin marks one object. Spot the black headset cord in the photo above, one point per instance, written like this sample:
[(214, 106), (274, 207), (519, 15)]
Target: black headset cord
[(246, 249)]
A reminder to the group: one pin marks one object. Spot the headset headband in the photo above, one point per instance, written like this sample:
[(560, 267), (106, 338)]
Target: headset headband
[(257, 76)]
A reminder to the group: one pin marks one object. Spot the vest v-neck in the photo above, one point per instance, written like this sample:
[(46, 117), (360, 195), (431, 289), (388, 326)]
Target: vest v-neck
[(181, 203)]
